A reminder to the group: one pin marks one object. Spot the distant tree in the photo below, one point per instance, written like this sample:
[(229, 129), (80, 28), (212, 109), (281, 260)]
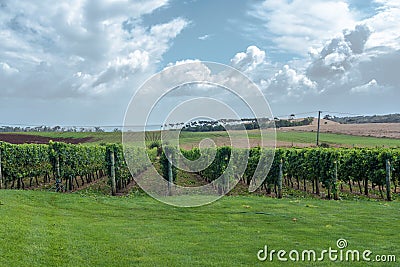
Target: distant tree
[(98, 129), (56, 128)]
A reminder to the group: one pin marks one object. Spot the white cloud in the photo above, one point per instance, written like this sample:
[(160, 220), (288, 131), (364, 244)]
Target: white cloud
[(370, 87), (352, 65), (388, 3), (287, 84), (117, 69), (344, 74), (81, 48), (6, 69), (276, 82), (250, 60), (255, 64), (385, 25), (78, 50), (167, 31), (297, 25), (204, 37), (180, 62), (338, 55)]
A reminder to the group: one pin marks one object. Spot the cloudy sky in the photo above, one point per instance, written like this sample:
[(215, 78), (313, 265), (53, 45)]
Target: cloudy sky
[(78, 62)]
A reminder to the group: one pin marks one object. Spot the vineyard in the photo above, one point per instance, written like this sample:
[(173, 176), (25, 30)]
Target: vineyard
[(27, 165), (308, 169), (333, 169)]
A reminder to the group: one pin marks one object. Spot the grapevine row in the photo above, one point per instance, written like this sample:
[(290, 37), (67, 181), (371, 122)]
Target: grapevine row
[(72, 165), (330, 168)]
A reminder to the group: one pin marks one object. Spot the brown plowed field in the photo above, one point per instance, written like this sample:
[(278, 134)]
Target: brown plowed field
[(34, 139), (390, 130)]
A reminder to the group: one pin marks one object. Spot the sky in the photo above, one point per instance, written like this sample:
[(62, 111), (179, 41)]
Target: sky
[(79, 62)]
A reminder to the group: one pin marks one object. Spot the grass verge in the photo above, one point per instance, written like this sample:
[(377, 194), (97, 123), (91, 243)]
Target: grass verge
[(85, 229)]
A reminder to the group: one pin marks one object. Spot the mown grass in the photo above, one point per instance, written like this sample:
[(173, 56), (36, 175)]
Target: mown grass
[(51, 229)]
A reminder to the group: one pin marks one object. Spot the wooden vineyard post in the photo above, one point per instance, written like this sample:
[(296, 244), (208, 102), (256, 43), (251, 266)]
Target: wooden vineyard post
[(388, 178), (112, 172), (1, 174), (335, 178), (58, 173), (70, 185), (58, 167), (170, 178), (280, 179), (227, 184)]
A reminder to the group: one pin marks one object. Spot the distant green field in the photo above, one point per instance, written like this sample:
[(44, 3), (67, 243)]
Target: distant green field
[(189, 139), (50, 229), (297, 138)]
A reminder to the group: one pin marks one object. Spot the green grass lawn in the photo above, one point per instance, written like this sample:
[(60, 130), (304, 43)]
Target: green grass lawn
[(51, 229)]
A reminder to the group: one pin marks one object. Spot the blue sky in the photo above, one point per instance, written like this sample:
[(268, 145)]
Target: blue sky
[(219, 29), (79, 62), (213, 33)]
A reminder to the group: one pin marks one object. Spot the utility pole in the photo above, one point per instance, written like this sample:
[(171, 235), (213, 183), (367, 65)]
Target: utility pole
[(319, 124)]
